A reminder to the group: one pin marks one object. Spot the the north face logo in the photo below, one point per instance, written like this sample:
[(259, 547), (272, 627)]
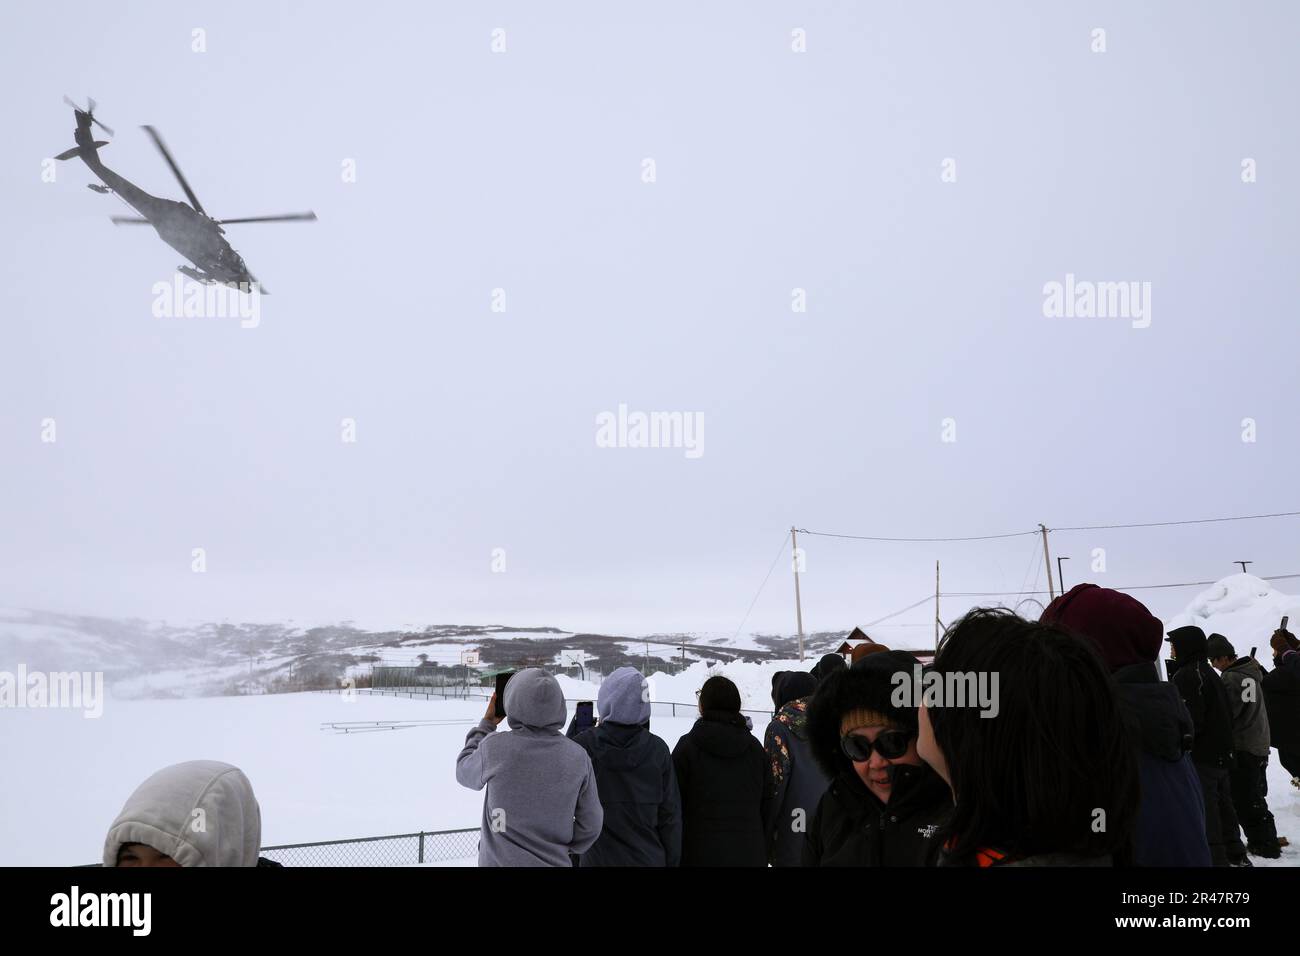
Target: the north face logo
[(927, 831)]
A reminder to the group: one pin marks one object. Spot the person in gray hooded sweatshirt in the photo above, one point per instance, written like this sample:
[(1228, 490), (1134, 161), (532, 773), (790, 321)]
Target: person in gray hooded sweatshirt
[(635, 776), (198, 813), (541, 803)]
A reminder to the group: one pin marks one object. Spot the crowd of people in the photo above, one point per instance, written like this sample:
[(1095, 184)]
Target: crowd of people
[(1088, 757), (1084, 757)]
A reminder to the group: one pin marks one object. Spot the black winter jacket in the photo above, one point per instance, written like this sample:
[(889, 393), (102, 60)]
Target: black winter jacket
[(853, 828), (1282, 698), (1206, 698), (719, 766)]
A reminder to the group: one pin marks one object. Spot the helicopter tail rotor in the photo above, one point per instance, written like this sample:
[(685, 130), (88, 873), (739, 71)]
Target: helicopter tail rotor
[(90, 112)]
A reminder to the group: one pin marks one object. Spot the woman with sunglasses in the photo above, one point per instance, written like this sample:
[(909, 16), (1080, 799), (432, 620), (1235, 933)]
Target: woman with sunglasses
[(884, 805)]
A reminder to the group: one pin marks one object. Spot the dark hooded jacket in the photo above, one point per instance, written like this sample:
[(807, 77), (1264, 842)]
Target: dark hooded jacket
[(635, 780), (1207, 701), (1170, 828), (851, 826), (795, 781), (719, 766), (1282, 697)]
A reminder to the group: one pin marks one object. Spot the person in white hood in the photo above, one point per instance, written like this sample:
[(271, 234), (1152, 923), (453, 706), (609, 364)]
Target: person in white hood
[(197, 813)]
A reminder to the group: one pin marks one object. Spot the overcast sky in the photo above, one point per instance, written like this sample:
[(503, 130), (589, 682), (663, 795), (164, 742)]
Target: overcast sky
[(524, 171)]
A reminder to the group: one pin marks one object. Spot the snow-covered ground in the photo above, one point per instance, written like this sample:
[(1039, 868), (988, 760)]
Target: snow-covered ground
[(67, 777)]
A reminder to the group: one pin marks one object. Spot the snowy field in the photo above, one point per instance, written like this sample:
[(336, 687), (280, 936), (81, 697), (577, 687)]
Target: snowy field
[(67, 777)]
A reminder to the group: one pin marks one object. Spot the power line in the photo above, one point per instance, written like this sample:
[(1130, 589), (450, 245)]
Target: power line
[(1086, 527), (861, 537), (1134, 587), (928, 597), (1165, 524), (779, 552)]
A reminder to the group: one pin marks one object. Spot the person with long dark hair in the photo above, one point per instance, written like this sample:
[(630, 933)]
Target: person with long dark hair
[(1045, 776)]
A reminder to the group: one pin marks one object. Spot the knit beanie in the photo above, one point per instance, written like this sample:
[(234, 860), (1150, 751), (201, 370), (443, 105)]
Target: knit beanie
[(1117, 625), (862, 650)]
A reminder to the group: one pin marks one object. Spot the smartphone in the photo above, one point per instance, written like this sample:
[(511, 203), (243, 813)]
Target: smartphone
[(1285, 618), (585, 719), (502, 679)]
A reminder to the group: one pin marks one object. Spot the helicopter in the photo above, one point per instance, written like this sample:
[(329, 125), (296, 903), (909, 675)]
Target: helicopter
[(186, 228)]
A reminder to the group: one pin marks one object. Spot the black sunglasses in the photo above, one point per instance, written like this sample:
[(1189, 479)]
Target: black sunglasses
[(890, 744)]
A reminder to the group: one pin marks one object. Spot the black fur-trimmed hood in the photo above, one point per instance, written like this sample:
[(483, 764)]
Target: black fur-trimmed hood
[(868, 684)]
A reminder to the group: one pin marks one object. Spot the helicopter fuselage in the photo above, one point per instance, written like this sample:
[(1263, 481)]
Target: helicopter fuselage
[(185, 229)]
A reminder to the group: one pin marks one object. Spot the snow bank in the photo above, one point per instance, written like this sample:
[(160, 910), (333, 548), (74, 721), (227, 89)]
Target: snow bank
[(752, 679), (1244, 609)]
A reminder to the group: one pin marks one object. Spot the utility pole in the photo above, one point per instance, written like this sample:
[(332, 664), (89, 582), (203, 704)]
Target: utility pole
[(1243, 565), (1047, 559), (798, 606), (1060, 576), (936, 604)]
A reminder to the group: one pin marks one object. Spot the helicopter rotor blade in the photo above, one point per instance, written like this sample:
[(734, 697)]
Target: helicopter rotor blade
[(288, 217), (129, 221), (176, 170)]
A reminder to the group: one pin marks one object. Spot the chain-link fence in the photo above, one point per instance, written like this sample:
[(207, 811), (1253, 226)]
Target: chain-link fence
[(661, 708), (399, 849)]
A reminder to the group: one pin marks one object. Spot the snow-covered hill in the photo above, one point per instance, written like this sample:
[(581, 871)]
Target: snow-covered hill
[(155, 659), (142, 658)]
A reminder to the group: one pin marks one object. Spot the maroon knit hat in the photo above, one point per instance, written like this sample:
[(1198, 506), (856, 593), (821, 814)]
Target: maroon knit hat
[(1119, 626)]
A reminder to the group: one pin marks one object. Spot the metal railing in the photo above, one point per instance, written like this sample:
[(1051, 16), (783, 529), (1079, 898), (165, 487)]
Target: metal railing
[(661, 707), (399, 849)]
